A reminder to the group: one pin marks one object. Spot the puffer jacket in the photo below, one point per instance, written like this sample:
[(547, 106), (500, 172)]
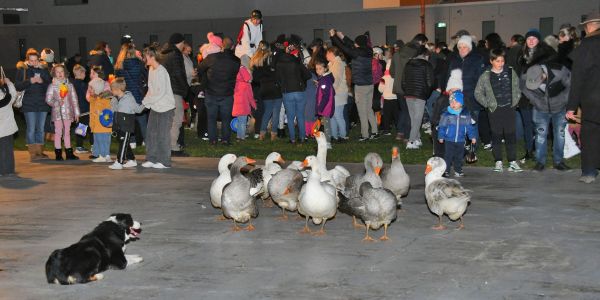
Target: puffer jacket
[(66, 108), (219, 70), (362, 68), (454, 128), (34, 99), (8, 94), (325, 104), (172, 60), (264, 81), (472, 67), (291, 73), (243, 98), (99, 58), (417, 81), (399, 60), (541, 100), (484, 94), (134, 73)]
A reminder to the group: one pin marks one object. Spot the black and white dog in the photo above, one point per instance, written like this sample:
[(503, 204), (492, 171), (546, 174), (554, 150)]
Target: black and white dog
[(96, 252)]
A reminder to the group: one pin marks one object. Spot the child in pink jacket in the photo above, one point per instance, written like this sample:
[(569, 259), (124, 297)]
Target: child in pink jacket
[(243, 98)]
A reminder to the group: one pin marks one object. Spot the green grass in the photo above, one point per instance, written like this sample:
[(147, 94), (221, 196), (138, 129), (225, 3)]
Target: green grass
[(351, 151)]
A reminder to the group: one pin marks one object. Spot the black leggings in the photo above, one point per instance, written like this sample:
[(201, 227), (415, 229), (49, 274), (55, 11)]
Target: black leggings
[(502, 124), (391, 113)]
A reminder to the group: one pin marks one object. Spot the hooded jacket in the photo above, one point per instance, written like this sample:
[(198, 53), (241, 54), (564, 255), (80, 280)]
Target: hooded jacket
[(399, 61), (99, 58), (264, 81), (66, 108), (34, 99), (541, 99), (325, 104), (361, 65), (454, 128), (417, 80), (484, 94), (291, 73), (134, 73), (8, 95), (172, 60)]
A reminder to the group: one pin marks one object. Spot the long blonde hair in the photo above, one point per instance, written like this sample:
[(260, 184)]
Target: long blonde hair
[(127, 51), (261, 55)]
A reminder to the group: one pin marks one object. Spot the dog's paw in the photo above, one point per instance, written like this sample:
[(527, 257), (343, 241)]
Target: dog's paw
[(133, 259), (97, 277)]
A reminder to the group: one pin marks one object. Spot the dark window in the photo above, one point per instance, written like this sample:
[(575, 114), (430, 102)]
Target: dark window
[(189, 38), (70, 2), (153, 38), (546, 26), (62, 49), (391, 34), (440, 32), (22, 48), (83, 47), (487, 27), (317, 33), (11, 19)]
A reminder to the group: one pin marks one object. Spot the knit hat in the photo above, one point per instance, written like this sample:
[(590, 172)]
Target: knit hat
[(460, 33), (47, 57), (466, 40), (245, 61), (361, 40), (534, 32), (455, 80), (214, 39), (176, 38), (458, 97), (377, 50)]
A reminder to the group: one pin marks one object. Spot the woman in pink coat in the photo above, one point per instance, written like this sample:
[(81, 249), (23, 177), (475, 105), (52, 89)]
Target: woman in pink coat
[(243, 98)]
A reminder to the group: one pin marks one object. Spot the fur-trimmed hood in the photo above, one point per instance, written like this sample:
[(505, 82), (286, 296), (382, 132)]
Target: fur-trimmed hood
[(543, 53), (25, 66)]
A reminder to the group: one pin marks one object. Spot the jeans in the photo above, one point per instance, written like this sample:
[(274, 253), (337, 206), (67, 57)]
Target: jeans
[(271, 109), (338, 124), (527, 119), (241, 126), (542, 121), (294, 108), (101, 144), (218, 105), (35, 127), (429, 104), (453, 155)]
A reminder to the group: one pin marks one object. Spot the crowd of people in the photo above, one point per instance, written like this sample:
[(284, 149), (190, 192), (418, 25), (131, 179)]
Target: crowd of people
[(472, 96)]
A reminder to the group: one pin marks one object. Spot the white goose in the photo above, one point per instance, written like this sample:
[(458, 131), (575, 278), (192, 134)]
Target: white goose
[(271, 167), (336, 176), (216, 187), (317, 200), (394, 178), (444, 196)]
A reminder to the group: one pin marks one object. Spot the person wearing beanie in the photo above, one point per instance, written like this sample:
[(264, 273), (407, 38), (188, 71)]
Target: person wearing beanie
[(250, 35), (467, 41), (47, 56), (172, 61), (534, 33), (455, 126), (362, 77), (440, 105), (214, 45)]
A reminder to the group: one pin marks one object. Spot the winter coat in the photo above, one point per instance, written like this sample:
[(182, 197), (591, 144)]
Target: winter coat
[(8, 125), (310, 94), (172, 60), (66, 108), (455, 128), (135, 74), (362, 68), (337, 67), (264, 81), (377, 67), (81, 89), (564, 50), (472, 67), (542, 100), (250, 39), (220, 72), (34, 99), (417, 81), (440, 70), (99, 58), (97, 105), (126, 104), (325, 105), (243, 99), (542, 54), (291, 73), (585, 90), (399, 60), (484, 94), (439, 107)]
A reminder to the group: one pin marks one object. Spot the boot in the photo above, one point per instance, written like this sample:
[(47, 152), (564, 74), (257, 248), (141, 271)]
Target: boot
[(32, 152), (273, 136), (58, 153), (261, 136), (40, 151), (280, 133), (70, 155)]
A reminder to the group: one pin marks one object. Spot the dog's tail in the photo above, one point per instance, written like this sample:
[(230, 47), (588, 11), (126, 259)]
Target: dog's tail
[(53, 269)]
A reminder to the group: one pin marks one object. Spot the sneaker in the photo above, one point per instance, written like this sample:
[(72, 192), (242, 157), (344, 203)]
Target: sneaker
[(386, 133), (80, 150), (412, 146), (538, 167), (133, 145), (587, 179), (256, 136), (562, 167), (498, 167), (446, 175), (148, 164), (116, 166), (92, 157), (459, 174), (374, 136), (418, 142), (159, 166), (487, 147), (426, 125), (362, 139), (513, 166), (107, 158), (99, 159), (130, 164)]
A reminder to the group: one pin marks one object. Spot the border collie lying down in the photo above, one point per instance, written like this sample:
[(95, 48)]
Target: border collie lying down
[(96, 252)]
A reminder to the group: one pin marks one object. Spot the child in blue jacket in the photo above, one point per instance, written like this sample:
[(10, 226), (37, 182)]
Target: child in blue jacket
[(455, 125)]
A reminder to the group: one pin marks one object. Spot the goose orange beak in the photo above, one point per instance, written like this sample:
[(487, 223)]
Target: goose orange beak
[(377, 170), (250, 161), (280, 160), (428, 169), (305, 163), (395, 152)]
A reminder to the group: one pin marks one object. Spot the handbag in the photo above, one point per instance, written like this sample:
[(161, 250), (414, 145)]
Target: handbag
[(19, 97), (471, 157)]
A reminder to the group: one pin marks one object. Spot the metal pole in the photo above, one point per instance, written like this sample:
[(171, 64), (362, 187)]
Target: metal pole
[(423, 16)]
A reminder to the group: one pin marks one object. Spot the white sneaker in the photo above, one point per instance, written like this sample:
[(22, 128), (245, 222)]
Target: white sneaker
[(116, 166), (159, 166), (487, 147), (130, 164), (419, 143), (498, 167), (514, 167), (412, 146), (107, 158), (426, 125), (132, 145), (99, 159), (148, 164)]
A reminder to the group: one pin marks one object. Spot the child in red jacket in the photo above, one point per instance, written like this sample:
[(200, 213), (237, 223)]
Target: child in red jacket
[(243, 98)]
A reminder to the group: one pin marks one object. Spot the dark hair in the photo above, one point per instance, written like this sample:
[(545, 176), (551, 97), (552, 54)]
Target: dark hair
[(494, 41), (518, 38), (321, 62), (420, 38), (497, 52), (423, 51), (100, 46), (98, 70), (57, 66), (441, 45)]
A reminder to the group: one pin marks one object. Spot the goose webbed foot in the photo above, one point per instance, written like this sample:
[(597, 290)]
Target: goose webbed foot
[(368, 238), (220, 218), (250, 227), (384, 237), (267, 202), (355, 224), (461, 225), (439, 225), (305, 229), (284, 216), (321, 231)]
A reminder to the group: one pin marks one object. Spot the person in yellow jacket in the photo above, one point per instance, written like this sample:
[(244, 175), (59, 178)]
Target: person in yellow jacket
[(98, 94)]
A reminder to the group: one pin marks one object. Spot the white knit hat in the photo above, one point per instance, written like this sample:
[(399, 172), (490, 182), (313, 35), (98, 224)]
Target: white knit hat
[(467, 40), (47, 57), (455, 80)]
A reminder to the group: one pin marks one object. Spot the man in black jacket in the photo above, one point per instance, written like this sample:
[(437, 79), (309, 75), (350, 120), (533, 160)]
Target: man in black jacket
[(220, 70), (585, 94), (172, 60)]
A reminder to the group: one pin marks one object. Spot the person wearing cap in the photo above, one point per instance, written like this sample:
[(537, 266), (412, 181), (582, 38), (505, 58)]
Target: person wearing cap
[(172, 60), (250, 35), (362, 77), (547, 87), (100, 56), (585, 94)]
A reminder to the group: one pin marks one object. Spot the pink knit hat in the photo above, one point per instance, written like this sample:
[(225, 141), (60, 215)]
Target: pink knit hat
[(214, 39)]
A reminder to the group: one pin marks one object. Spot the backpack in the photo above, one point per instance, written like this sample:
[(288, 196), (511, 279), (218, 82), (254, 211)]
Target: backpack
[(241, 33)]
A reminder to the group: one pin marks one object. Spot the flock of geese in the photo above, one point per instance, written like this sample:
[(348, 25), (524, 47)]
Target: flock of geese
[(317, 193)]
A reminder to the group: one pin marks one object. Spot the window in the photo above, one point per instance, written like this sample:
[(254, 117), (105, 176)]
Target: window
[(391, 34), (22, 48), (189, 39), (153, 38), (62, 49), (11, 19), (546, 26), (440, 32), (318, 33), (83, 46), (69, 2), (487, 27)]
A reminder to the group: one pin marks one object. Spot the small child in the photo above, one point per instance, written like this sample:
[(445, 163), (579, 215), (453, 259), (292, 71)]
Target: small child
[(455, 125), (243, 98), (125, 107), (325, 98), (84, 107), (498, 91), (61, 96), (98, 95)]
